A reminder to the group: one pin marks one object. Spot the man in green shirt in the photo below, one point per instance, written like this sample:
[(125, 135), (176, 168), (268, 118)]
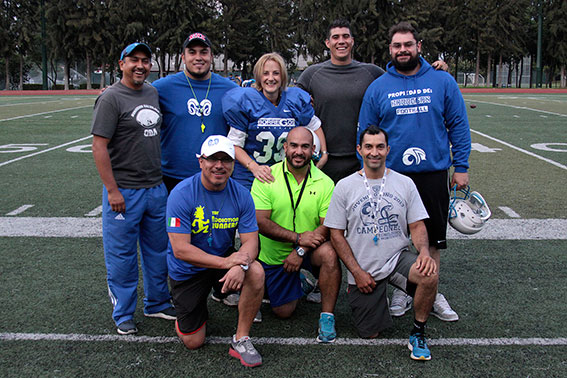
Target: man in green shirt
[(290, 212)]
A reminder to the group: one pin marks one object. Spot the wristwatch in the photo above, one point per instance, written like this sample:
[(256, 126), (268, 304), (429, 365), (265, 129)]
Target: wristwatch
[(244, 267), (300, 251)]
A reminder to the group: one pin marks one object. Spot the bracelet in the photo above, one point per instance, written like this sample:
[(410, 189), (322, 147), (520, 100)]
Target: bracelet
[(324, 152), (297, 238), (248, 165)]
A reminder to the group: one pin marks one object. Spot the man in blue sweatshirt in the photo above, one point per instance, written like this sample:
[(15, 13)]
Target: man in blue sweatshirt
[(424, 113)]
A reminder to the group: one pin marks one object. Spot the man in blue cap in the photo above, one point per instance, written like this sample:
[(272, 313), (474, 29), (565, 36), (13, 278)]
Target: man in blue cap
[(126, 149)]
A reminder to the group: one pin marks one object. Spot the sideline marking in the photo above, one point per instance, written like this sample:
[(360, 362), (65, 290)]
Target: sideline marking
[(517, 107), (19, 210), (528, 341), (69, 227), (49, 149), (509, 212), (31, 103), (520, 149), (49, 112), (94, 212)]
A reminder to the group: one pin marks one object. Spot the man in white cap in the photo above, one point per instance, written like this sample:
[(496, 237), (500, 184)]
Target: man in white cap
[(203, 213)]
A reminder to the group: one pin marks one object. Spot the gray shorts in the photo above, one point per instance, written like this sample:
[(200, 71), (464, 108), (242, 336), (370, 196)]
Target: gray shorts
[(370, 312)]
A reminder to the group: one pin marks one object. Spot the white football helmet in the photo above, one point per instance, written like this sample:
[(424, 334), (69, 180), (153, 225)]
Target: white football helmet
[(468, 212), (317, 143)]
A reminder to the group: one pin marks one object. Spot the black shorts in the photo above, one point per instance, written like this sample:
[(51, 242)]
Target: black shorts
[(433, 188), (190, 299), (170, 182), (370, 312)]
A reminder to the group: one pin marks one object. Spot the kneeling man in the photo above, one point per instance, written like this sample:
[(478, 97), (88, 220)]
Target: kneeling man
[(376, 206), (290, 213), (203, 213)]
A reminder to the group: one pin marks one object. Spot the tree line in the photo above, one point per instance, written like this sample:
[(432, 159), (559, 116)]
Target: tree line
[(471, 35)]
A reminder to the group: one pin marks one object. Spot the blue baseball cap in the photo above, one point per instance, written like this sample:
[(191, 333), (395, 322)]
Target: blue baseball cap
[(135, 46)]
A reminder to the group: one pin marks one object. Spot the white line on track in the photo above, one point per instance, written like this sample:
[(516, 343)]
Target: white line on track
[(530, 341), (38, 114), (518, 107), (47, 150), (520, 149)]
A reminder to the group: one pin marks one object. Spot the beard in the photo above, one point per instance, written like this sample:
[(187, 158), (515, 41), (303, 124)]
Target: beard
[(410, 65), (290, 161)]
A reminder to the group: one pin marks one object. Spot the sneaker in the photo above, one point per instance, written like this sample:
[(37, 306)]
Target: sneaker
[(400, 304), (127, 327), (443, 310), (167, 314), (258, 317), (230, 300), (245, 352), (315, 295), (418, 346), (327, 333)]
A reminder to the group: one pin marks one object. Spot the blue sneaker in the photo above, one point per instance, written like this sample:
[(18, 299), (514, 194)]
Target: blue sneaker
[(327, 333), (418, 346)]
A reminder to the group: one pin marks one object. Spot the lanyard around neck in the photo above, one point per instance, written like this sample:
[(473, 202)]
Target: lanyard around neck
[(201, 110), (375, 205), (295, 205)]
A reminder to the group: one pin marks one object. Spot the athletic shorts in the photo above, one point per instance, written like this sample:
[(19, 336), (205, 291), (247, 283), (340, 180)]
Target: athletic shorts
[(433, 188), (370, 312), (170, 182), (190, 298), (283, 287)]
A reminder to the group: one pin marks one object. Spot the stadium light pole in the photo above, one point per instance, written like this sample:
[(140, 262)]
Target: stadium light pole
[(539, 37)]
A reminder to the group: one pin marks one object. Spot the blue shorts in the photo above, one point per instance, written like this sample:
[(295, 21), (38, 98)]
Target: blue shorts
[(283, 287)]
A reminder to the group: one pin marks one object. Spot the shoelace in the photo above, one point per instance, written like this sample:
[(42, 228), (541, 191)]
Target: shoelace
[(248, 346), (420, 340)]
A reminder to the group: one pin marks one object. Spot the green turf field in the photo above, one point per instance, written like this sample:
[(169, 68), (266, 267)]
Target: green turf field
[(508, 283)]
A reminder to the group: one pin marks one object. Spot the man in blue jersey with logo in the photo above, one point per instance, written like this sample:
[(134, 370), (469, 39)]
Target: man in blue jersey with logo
[(190, 102), (203, 214), (424, 113)]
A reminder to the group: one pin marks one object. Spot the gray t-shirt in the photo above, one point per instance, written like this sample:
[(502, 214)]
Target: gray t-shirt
[(352, 210), (337, 93), (131, 119)]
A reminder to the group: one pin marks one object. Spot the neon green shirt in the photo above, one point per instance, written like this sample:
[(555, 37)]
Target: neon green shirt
[(275, 197)]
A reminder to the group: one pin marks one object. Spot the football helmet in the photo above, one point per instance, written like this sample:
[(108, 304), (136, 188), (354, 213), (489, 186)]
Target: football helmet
[(468, 211), (317, 143)]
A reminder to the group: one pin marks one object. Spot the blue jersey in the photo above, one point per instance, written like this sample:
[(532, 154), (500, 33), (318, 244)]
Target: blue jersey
[(183, 116), (425, 118), (211, 218), (264, 125)]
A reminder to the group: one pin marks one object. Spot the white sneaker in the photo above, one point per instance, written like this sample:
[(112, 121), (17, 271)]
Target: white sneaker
[(400, 304), (258, 317), (443, 310), (230, 300)]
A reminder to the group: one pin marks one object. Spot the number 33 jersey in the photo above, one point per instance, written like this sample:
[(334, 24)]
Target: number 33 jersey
[(260, 128)]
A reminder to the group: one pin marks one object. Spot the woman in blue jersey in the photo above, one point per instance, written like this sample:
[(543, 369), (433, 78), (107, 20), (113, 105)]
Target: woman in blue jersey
[(260, 118)]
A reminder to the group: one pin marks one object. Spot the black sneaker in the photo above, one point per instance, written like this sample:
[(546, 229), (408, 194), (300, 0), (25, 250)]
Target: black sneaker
[(127, 327), (167, 314)]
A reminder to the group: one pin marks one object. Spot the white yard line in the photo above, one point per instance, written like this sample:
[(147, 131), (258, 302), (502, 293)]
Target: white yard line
[(509, 212), (497, 229), (30, 103), (559, 165), (19, 210), (47, 150), (49, 112), (529, 341)]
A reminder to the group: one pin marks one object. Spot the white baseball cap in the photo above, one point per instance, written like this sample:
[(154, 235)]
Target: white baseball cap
[(216, 143)]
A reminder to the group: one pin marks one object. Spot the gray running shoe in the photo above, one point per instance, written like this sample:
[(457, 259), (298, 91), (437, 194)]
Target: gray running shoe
[(127, 327), (401, 303), (443, 310), (167, 314), (245, 352)]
